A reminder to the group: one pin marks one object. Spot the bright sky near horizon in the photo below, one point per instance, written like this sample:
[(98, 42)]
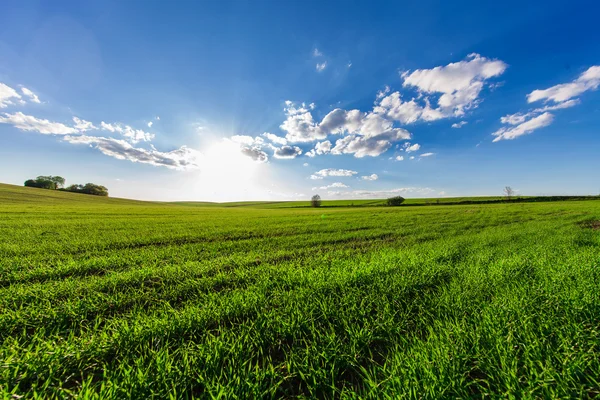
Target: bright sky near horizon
[(265, 100)]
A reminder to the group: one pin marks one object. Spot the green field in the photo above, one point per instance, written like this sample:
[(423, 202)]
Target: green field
[(110, 298)]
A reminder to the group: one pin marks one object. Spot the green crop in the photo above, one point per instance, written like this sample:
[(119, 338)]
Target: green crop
[(108, 298)]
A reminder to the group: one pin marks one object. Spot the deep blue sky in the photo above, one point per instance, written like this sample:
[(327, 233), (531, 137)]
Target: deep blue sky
[(215, 71)]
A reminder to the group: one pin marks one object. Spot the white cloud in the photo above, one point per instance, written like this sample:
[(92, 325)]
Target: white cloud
[(524, 128), (287, 152), (150, 124), (382, 93), (410, 148), (332, 172), (317, 53), (32, 96), (320, 148), (588, 80), (299, 124), (332, 186), (349, 65), (372, 177), (561, 96), (459, 125), (321, 66), (183, 158), (32, 124), (305, 164), (255, 153), (275, 139), (157, 118), (427, 154), (400, 158), (133, 135), (411, 157), (408, 112), (361, 146), (247, 140), (460, 83), (82, 125), (6, 94)]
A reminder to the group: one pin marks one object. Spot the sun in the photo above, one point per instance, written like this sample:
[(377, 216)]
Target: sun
[(226, 170)]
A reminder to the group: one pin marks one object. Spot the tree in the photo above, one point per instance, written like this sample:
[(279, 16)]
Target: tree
[(46, 182), (508, 193), (315, 201), (89, 188), (395, 201), (40, 183)]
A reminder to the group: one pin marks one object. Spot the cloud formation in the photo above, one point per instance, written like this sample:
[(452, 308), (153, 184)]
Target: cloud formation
[(457, 85), (372, 177), (588, 80), (6, 95), (332, 172), (132, 135), (558, 96), (183, 158), (287, 152), (32, 124), (32, 96), (524, 128), (459, 125)]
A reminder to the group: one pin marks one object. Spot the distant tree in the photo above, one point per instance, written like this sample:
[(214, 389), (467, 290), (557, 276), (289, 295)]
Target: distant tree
[(315, 201), (395, 201), (509, 193), (46, 182), (88, 188), (40, 183)]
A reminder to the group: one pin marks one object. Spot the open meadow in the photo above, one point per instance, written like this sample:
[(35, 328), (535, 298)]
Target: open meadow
[(109, 298)]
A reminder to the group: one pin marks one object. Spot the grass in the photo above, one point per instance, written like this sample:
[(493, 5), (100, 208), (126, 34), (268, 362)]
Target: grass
[(109, 298)]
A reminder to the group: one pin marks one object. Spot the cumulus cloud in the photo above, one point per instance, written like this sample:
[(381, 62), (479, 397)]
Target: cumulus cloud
[(410, 148), (287, 152), (320, 148), (372, 177), (427, 154), (524, 128), (255, 153), (459, 83), (459, 125), (275, 139), (32, 96), (132, 135), (588, 80), (459, 86), (300, 125), (150, 124), (321, 66), (317, 53), (6, 94), (400, 158), (32, 124), (183, 158), (332, 172)]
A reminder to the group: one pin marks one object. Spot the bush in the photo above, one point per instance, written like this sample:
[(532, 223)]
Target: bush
[(315, 201), (395, 201)]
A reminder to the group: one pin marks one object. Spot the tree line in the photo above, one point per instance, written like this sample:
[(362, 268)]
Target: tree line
[(58, 183)]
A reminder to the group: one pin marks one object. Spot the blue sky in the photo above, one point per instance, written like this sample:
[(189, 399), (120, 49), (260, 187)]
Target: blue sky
[(281, 100)]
